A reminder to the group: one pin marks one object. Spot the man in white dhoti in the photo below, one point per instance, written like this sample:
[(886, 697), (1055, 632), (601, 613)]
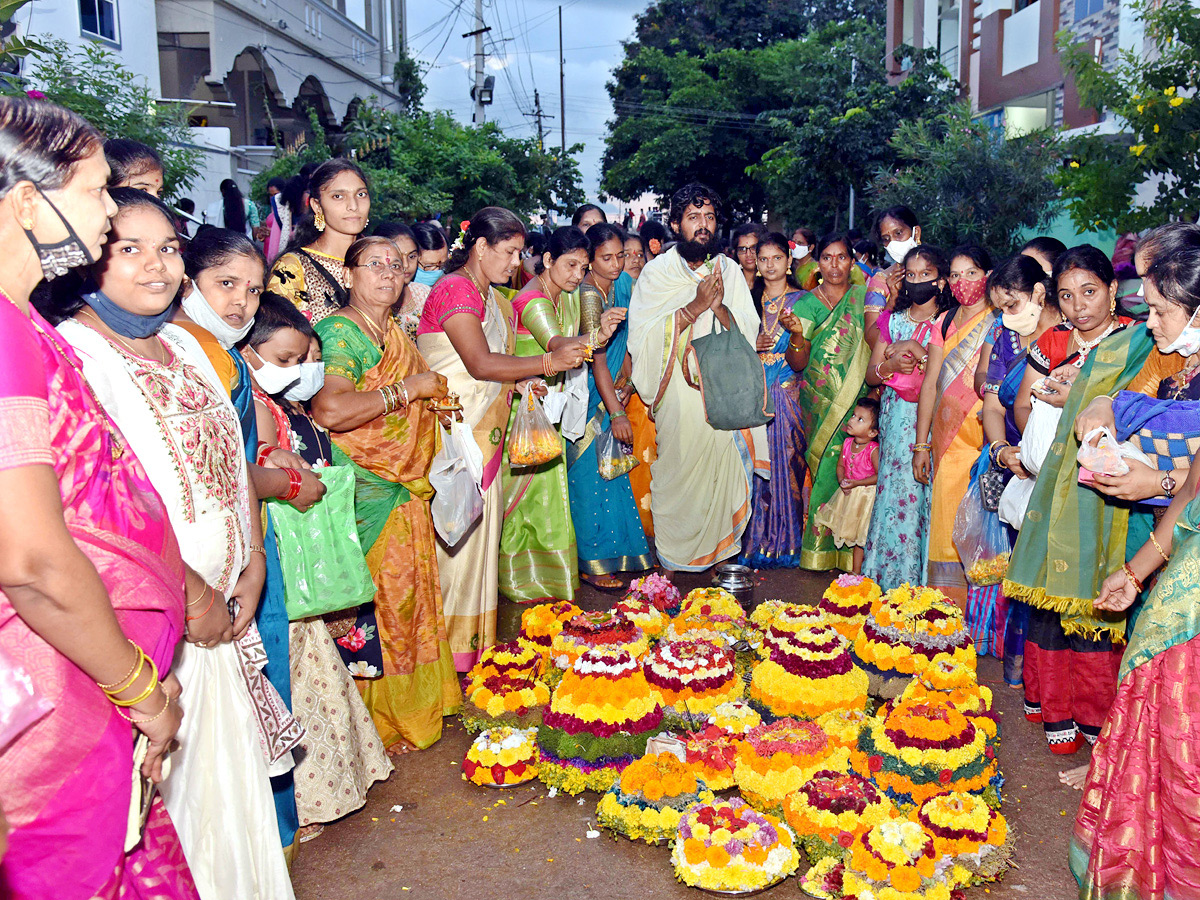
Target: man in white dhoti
[(700, 485)]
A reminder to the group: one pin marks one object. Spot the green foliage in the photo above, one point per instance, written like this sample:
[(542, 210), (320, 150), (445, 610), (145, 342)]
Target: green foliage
[(291, 159), (1155, 95), (968, 182), (408, 83), (15, 48), (91, 81)]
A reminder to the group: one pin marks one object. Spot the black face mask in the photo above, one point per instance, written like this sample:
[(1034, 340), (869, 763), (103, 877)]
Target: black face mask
[(61, 257), (918, 292)]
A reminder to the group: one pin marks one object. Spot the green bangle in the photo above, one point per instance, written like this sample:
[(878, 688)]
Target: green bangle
[(618, 414)]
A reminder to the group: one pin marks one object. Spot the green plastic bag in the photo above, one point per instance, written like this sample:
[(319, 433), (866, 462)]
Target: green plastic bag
[(324, 569)]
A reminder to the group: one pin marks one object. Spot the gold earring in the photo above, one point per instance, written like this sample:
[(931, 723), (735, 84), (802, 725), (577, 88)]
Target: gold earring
[(27, 224), (319, 220)]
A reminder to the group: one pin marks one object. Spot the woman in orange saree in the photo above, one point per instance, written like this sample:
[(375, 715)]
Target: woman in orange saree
[(375, 381)]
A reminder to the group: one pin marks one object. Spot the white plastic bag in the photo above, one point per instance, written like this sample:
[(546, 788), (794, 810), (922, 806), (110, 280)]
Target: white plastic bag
[(1038, 435), (1100, 454), (457, 502)]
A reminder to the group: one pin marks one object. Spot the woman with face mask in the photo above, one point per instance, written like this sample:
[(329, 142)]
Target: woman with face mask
[(374, 401), (948, 413), (1137, 794), (156, 383), (311, 272), (91, 576), (342, 752), (897, 231)]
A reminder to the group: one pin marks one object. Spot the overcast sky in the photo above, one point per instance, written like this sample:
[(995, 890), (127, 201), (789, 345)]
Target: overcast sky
[(523, 54)]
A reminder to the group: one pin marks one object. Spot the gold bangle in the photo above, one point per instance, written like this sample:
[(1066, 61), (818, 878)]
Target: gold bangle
[(134, 671), (152, 718), (144, 694), (1159, 548), (258, 548)]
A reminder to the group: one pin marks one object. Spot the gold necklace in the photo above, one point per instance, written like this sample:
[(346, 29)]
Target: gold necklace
[(377, 333), (474, 281), (117, 449)]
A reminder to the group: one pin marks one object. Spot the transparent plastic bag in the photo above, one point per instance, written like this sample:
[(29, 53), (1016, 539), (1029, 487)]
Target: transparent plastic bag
[(981, 540), (20, 703), (533, 441), (613, 457), (457, 502)]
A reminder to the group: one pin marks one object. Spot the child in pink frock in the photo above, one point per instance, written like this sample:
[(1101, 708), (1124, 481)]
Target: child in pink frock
[(848, 514)]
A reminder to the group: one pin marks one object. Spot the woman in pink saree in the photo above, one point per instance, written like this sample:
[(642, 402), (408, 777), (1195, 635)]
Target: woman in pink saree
[(91, 579)]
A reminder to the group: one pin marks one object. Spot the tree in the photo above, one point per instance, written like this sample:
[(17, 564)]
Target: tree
[(407, 82), (1154, 96), (15, 48), (844, 112), (91, 81), (970, 183)]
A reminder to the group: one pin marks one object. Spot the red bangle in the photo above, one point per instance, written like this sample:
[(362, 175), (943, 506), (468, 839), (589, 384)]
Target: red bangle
[(264, 450), (211, 601), (1129, 574), (294, 482)]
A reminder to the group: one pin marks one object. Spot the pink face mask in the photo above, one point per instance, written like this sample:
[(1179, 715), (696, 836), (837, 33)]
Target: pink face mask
[(968, 293)]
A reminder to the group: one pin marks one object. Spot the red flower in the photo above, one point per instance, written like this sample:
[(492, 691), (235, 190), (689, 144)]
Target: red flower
[(989, 752), (354, 639), (464, 224), (875, 763), (791, 245), (846, 839), (945, 776)]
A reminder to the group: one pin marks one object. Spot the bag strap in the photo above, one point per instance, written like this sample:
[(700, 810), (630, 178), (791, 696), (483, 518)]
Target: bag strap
[(689, 352), (339, 289)]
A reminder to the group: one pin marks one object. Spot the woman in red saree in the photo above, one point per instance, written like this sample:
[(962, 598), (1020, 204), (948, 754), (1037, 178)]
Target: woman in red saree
[(91, 578)]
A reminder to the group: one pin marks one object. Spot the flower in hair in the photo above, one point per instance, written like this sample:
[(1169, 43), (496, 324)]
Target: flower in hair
[(462, 234)]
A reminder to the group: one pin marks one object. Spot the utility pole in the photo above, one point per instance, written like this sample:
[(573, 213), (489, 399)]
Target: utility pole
[(539, 115), (853, 72), (478, 118), (562, 81)]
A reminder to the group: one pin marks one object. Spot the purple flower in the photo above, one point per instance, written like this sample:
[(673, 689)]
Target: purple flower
[(36, 95), (734, 847), (767, 836)]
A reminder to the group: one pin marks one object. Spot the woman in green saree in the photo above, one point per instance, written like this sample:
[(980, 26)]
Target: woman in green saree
[(831, 321), (538, 555)]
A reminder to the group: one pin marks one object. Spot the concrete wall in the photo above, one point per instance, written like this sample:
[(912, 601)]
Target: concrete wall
[(137, 33)]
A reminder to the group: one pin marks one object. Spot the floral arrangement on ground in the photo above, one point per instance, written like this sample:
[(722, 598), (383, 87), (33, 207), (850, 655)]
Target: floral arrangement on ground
[(657, 590), (540, 624), (648, 800), (604, 628), (947, 681), (848, 602), (727, 846), (809, 673), (895, 860), (973, 837), (832, 809), (693, 678), (511, 696), (777, 758), (645, 615), (501, 756)]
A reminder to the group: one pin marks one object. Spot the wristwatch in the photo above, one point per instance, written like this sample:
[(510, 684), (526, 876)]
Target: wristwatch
[(1168, 484)]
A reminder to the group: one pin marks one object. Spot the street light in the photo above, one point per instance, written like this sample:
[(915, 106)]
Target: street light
[(486, 91)]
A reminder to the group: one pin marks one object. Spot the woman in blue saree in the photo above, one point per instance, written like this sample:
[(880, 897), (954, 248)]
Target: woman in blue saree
[(608, 529)]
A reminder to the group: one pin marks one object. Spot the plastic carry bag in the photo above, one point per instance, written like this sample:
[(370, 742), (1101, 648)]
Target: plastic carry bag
[(20, 703), (981, 540), (1038, 436), (533, 441), (457, 502), (614, 458), (324, 569), (1101, 454)]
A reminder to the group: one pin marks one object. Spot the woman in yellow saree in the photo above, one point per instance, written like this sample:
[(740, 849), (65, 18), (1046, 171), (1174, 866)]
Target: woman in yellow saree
[(948, 412), (375, 381)]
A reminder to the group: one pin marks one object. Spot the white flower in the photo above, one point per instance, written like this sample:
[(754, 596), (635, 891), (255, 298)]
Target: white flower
[(362, 669)]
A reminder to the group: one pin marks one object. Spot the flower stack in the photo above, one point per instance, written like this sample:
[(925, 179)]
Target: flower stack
[(712, 751), (844, 727), (775, 759), (649, 798), (833, 808), (645, 615), (709, 614), (656, 589), (848, 602), (809, 673), (727, 846), (907, 629), (924, 748), (596, 629), (947, 680), (505, 688), (967, 833), (895, 860), (540, 624), (693, 677), (599, 719), (501, 756)]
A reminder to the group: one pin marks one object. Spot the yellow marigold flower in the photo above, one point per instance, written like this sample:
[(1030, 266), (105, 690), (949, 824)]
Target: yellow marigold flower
[(1170, 92), (1137, 149), (1141, 107), (1176, 101)]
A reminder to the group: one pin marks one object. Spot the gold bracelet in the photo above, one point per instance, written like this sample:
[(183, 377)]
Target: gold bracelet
[(389, 400), (258, 548), (144, 694), (1159, 548), (403, 389), (152, 718), (134, 671)]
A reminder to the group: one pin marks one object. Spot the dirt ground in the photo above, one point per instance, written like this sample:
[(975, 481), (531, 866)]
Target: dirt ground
[(427, 834)]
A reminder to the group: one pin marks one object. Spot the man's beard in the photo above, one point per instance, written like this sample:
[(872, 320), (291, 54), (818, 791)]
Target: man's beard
[(694, 251)]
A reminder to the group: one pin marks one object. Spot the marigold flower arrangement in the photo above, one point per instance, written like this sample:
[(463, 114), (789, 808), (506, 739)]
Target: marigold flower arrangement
[(894, 860), (736, 717), (727, 846), (599, 719), (844, 726), (848, 602), (509, 659), (540, 624), (765, 612), (698, 627), (924, 748), (832, 809), (790, 620), (711, 753), (824, 879), (945, 680), (501, 756), (713, 601), (657, 590), (775, 759), (517, 698), (972, 835), (693, 677), (809, 673), (645, 615), (603, 628), (649, 798)]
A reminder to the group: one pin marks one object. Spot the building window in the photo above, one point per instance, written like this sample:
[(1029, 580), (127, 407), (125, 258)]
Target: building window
[(99, 18), (312, 21), (1085, 8)]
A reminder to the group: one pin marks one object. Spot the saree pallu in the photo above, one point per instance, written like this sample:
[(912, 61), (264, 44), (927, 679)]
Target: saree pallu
[(604, 514), (987, 607), (1135, 831), (956, 436), (65, 780), (829, 387), (539, 559), (776, 531), (391, 456), (645, 448)]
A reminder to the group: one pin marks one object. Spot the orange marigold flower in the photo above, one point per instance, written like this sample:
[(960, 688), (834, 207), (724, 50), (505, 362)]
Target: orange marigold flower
[(905, 878), (717, 857), (693, 850), (653, 790)]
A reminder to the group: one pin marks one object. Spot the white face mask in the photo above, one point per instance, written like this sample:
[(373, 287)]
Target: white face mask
[(202, 314), (1024, 322), (1188, 341), (312, 379), (897, 250), (272, 378), (800, 251)]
